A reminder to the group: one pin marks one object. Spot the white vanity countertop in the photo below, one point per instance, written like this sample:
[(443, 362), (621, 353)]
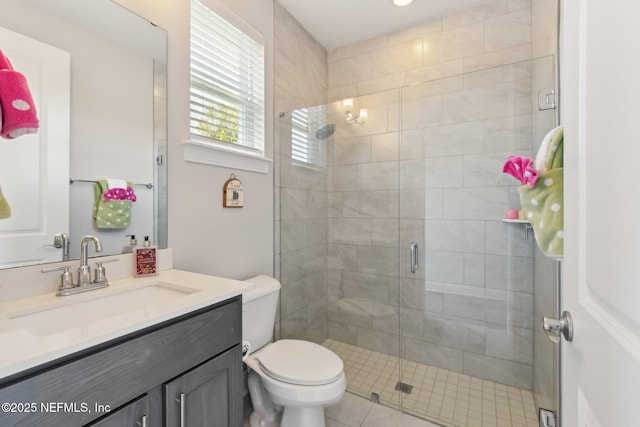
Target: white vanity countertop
[(42, 328)]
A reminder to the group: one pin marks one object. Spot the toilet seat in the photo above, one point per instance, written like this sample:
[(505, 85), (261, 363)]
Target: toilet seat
[(300, 362)]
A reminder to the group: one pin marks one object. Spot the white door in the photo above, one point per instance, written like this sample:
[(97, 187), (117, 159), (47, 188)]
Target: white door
[(600, 85), (34, 169)]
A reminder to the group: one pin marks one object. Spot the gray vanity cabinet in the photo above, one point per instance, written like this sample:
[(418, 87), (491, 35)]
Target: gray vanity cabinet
[(204, 395), (134, 381), (134, 414)]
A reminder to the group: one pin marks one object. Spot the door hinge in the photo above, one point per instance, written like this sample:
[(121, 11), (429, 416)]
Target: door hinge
[(547, 418), (546, 99)]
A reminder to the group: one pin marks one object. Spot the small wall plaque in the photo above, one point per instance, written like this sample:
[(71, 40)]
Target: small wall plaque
[(233, 193)]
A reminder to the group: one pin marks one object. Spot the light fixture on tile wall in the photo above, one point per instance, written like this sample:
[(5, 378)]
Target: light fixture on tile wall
[(361, 118), (401, 3)]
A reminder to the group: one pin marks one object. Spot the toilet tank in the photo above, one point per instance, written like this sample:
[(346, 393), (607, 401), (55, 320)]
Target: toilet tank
[(259, 307)]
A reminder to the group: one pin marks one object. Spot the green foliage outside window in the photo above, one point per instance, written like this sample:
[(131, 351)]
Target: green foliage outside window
[(221, 124)]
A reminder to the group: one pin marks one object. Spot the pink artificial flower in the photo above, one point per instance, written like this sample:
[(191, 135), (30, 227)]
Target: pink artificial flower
[(120, 194), (520, 168)]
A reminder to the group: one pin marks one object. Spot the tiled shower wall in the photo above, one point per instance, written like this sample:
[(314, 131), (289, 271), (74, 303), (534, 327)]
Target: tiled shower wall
[(460, 90), (471, 310), (300, 192)]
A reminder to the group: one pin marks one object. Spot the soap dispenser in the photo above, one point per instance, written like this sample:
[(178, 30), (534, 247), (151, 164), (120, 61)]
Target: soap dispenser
[(146, 259), (132, 244)]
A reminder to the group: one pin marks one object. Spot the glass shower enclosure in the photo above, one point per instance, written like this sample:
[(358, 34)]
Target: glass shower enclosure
[(392, 250)]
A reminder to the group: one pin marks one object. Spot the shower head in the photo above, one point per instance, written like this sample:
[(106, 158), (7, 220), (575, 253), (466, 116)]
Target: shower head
[(325, 131)]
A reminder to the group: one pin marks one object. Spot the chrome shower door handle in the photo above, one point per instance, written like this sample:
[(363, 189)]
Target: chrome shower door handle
[(554, 327), (413, 248)]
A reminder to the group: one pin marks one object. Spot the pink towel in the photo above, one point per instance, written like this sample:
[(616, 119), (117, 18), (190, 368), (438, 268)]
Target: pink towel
[(19, 115)]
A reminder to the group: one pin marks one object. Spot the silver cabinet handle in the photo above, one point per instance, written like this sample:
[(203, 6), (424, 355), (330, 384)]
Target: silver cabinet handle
[(183, 404), (414, 257), (143, 421), (554, 327)]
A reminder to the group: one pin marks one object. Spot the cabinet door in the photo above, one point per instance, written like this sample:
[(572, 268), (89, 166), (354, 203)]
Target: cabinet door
[(208, 395), (134, 414)]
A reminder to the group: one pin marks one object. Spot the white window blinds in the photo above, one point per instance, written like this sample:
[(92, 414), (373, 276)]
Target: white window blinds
[(227, 81), (300, 138), (306, 147)]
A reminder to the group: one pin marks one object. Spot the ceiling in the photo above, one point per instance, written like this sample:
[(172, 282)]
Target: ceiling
[(338, 23)]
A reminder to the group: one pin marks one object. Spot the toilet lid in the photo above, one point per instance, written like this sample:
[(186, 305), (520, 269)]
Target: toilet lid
[(300, 362)]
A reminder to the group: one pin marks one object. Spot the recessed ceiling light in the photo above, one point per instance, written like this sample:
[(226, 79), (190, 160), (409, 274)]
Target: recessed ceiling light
[(401, 3)]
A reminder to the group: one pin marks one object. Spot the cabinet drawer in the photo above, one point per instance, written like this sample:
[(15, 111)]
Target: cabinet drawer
[(117, 372)]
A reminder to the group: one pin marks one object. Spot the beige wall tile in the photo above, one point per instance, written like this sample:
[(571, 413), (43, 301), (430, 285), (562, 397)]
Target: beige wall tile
[(365, 46), (434, 87), (350, 70), (415, 32), (454, 44), (474, 14), (433, 72), (397, 58), (544, 28), (500, 57), (500, 100), (508, 30), (384, 147), (380, 84), (519, 4), (506, 73)]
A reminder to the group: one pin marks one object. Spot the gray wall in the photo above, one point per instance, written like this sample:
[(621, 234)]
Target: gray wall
[(206, 238)]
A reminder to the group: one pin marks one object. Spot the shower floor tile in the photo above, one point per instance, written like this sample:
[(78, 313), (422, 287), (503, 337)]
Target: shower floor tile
[(439, 395)]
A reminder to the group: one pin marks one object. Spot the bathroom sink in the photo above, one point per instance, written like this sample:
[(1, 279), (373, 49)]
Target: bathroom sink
[(57, 317), (49, 327)]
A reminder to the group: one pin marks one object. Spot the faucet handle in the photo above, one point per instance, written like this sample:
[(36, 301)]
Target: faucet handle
[(66, 279), (100, 274)]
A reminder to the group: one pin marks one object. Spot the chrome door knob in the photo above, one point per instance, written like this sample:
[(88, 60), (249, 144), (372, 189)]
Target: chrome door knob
[(554, 327)]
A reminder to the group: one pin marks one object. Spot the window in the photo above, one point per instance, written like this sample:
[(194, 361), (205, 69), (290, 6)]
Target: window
[(300, 138), (307, 145), (227, 81)]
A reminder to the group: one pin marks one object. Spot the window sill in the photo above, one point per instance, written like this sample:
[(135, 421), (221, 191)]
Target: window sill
[(216, 155)]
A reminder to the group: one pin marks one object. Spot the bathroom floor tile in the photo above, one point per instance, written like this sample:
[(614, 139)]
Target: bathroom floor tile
[(356, 411), (442, 396), (333, 423), (351, 410)]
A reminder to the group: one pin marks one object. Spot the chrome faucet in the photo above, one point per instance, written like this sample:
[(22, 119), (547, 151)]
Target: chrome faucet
[(67, 287), (84, 271), (61, 240)]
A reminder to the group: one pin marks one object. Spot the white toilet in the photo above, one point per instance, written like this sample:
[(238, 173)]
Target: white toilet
[(301, 376)]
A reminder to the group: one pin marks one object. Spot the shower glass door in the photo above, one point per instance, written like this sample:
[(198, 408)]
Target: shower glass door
[(392, 251), (467, 313), (339, 247), (364, 254)]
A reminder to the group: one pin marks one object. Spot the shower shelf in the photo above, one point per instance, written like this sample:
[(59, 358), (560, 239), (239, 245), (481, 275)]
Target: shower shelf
[(517, 221), (526, 222)]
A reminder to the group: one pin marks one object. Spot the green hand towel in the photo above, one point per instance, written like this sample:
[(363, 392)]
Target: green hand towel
[(555, 157), (5, 209), (110, 213), (544, 208)]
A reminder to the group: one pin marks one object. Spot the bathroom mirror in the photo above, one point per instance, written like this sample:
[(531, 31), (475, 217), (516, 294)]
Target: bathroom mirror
[(97, 73)]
